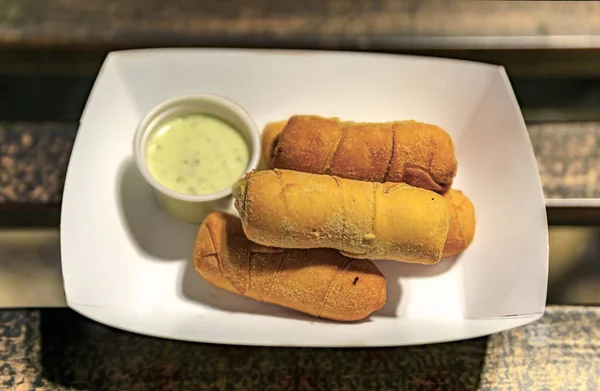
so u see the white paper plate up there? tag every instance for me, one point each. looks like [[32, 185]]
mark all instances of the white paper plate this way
[[126, 263]]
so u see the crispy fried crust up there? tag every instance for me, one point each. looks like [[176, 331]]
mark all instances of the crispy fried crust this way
[[319, 282], [292, 209], [412, 152], [269, 139], [462, 223]]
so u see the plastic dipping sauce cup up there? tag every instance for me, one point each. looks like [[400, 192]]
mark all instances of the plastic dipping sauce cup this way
[[192, 148]]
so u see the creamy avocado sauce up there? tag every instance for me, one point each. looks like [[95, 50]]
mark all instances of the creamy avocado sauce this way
[[197, 154]]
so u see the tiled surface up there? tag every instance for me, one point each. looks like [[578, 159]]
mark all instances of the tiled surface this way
[[34, 159], [60, 350]]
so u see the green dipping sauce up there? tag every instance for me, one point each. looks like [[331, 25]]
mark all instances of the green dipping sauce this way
[[197, 154]]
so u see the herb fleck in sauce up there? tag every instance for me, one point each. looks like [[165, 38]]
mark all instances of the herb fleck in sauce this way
[[197, 154]]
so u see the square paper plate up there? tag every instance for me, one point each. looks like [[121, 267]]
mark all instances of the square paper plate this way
[[126, 263]]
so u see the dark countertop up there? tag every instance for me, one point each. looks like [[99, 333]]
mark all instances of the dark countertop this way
[[60, 350]]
